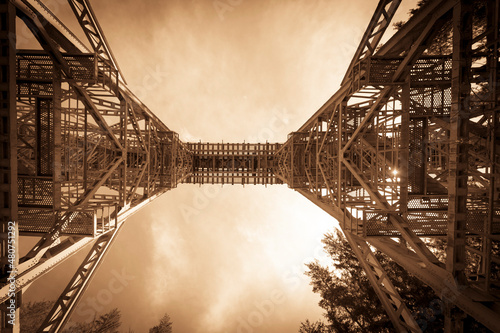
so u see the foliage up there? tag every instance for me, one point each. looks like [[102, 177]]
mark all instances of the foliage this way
[[32, 314], [350, 302], [165, 325], [442, 40], [413, 11], [317, 327], [107, 323]]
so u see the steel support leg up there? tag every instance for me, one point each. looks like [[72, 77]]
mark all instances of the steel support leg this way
[[8, 156], [66, 303], [458, 161], [393, 304]]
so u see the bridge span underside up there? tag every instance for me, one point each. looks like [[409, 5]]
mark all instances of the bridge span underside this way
[[233, 163], [406, 151]]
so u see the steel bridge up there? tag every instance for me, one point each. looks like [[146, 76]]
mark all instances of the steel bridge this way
[[405, 151]]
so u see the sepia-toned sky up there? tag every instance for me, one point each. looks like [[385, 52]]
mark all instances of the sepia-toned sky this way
[[220, 259]]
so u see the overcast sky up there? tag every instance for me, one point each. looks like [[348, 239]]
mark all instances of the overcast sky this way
[[220, 259]]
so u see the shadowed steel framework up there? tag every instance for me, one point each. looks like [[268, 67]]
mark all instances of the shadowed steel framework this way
[[405, 151]]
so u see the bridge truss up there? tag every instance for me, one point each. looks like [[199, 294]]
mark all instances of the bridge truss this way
[[404, 152]]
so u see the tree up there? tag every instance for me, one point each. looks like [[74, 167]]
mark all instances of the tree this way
[[317, 327], [107, 323], [350, 302], [413, 11], [33, 314], [442, 42], [165, 325]]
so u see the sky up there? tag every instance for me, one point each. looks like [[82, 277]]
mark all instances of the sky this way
[[231, 258]]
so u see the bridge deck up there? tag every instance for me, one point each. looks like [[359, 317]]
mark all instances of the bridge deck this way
[[233, 163]]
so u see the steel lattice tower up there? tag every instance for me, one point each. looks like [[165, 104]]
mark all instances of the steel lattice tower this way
[[405, 150]]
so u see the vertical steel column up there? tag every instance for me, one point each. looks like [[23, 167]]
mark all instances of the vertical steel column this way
[[147, 130], [57, 145], [404, 154], [85, 149], [340, 158], [8, 148], [458, 166], [123, 138], [459, 132], [492, 12]]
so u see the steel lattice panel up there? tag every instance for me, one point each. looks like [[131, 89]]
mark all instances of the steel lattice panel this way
[[42, 220], [33, 191], [427, 70], [39, 66], [428, 221], [45, 137], [81, 224], [422, 223], [430, 101], [477, 213], [35, 89], [82, 67], [435, 70], [36, 220], [415, 163], [34, 67], [382, 70], [378, 224], [428, 202]]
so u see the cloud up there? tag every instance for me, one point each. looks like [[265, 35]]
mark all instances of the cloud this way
[[241, 247]]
